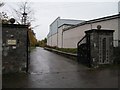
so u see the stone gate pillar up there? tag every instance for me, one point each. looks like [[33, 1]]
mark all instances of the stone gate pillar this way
[[14, 48], [100, 46]]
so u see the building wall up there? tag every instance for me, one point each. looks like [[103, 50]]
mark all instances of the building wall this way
[[112, 25], [54, 40], [60, 37], [55, 26], [69, 38], [72, 36], [58, 22], [109, 24]]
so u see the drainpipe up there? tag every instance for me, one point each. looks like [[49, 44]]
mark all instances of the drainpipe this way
[[62, 38], [57, 33], [119, 26], [91, 25], [51, 36]]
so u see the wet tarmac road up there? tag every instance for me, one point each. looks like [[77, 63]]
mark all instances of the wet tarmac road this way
[[49, 70]]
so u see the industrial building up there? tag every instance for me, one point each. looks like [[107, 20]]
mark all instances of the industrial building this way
[[53, 38], [67, 33]]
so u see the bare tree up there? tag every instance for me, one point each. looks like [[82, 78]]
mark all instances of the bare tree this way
[[3, 15], [24, 13], [1, 4]]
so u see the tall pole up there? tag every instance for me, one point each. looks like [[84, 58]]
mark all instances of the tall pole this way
[[57, 33], [24, 17], [119, 23]]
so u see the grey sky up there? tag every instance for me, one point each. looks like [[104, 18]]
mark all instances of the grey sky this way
[[47, 12]]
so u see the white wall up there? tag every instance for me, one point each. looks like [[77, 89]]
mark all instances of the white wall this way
[[58, 22], [60, 37], [109, 24], [72, 36], [54, 40]]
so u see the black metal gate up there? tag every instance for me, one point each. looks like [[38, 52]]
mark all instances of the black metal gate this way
[[83, 51]]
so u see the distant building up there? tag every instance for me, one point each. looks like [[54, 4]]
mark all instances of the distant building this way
[[52, 37], [67, 35]]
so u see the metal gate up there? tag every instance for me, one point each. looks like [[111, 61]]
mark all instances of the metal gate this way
[[83, 51]]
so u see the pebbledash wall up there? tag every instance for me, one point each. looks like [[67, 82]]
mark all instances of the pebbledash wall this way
[[69, 35]]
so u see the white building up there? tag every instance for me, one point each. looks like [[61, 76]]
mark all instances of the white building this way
[[52, 37], [67, 33]]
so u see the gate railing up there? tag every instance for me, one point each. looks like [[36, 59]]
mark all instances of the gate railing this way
[[79, 51], [83, 40], [83, 54]]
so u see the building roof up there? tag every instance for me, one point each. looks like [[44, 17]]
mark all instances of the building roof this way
[[66, 25], [94, 21], [60, 22]]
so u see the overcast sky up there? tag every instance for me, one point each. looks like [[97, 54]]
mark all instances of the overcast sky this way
[[45, 12]]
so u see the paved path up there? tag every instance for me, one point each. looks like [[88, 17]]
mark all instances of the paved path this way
[[49, 70]]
